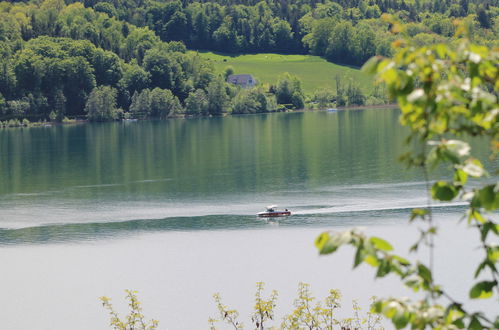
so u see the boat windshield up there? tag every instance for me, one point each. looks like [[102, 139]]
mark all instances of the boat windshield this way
[[271, 208]]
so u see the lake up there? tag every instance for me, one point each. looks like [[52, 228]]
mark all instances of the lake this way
[[168, 208]]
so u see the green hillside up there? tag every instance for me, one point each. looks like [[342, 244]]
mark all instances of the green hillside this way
[[314, 71]]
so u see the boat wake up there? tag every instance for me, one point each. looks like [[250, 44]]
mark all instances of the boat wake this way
[[351, 208], [88, 217], [82, 232]]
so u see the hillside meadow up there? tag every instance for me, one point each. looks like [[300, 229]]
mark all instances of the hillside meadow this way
[[314, 71]]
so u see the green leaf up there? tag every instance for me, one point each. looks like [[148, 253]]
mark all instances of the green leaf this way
[[475, 324], [481, 267], [401, 260], [400, 320], [414, 247], [487, 226], [489, 197], [455, 316], [433, 157], [441, 50], [384, 268], [359, 256], [424, 272], [493, 254], [459, 323], [418, 213], [496, 323], [460, 176], [321, 240], [482, 290], [414, 284], [389, 75], [324, 244], [381, 244], [449, 155], [371, 260], [371, 66], [443, 191], [478, 217], [377, 307]]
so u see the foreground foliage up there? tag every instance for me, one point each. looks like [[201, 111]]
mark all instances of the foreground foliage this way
[[135, 320], [446, 94], [307, 313]]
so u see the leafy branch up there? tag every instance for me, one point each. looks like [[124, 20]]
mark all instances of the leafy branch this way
[[135, 320], [445, 94], [307, 313]]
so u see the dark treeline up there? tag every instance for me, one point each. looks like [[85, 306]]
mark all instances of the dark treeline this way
[[116, 59], [343, 31]]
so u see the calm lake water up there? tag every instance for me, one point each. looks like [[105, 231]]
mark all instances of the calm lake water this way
[[168, 208]]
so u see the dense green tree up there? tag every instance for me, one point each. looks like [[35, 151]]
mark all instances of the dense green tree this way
[[164, 69], [289, 91], [283, 36], [250, 101], [7, 79], [354, 94], [323, 97], [10, 30], [135, 78], [318, 38], [439, 24], [3, 105], [218, 97], [137, 43], [197, 103], [101, 104], [107, 67], [200, 72], [298, 100], [229, 70], [225, 36], [78, 82], [141, 104], [163, 103], [18, 108], [59, 105], [339, 43], [484, 17], [107, 8]]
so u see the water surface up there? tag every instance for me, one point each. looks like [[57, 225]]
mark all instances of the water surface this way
[[168, 207]]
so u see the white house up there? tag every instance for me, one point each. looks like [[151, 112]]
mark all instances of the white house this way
[[242, 80]]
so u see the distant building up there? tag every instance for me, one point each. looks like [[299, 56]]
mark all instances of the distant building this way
[[242, 80]]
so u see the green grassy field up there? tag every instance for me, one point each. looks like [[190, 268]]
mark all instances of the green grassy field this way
[[314, 71]]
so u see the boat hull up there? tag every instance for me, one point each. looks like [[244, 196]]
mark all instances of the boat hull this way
[[274, 214]]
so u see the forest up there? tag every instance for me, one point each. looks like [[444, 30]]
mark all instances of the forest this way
[[106, 60]]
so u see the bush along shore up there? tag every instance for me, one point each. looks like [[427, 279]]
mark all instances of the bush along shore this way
[[219, 99]]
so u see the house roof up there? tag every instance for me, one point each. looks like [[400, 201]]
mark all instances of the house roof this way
[[240, 79]]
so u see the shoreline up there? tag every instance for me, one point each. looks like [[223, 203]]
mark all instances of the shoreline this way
[[359, 107], [85, 121]]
